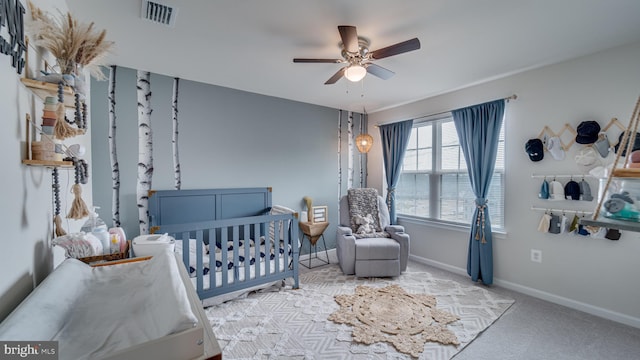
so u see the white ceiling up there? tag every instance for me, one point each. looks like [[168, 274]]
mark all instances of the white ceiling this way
[[249, 44]]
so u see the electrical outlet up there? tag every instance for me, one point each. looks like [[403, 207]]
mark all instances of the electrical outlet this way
[[536, 255]]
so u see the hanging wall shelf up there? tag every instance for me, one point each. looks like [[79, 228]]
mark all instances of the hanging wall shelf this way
[[43, 89], [49, 163]]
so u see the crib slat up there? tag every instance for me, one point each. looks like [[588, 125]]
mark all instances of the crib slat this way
[[212, 259], [267, 247], [276, 246], [236, 253], [285, 244], [247, 252], [185, 251], [224, 244], [199, 257]]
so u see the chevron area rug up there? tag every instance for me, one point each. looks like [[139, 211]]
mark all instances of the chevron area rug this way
[[294, 324]]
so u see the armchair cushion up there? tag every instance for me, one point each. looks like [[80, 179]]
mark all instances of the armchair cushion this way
[[364, 213], [363, 202]]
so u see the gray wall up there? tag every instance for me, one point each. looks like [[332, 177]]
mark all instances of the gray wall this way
[[228, 138], [26, 205], [595, 275]]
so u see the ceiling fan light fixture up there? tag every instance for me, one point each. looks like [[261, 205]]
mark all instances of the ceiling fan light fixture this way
[[355, 72]]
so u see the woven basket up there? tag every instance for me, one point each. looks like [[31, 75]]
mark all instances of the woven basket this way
[[108, 257]]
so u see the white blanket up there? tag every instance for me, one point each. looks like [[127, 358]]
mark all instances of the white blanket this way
[[92, 312]]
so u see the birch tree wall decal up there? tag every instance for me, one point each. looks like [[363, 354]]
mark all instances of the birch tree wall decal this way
[[339, 154], [174, 139], [350, 151], [361, 155], [145, 149], [339, 160], [115, 169]]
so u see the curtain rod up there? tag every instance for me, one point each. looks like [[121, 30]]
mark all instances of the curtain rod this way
[[507, 99]]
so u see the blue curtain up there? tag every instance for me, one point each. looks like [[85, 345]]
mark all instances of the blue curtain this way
[[478, 130], [394, 144]]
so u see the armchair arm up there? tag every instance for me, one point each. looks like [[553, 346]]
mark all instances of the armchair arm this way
[[397, 233], [345, 231], [394, 229], [346, 249]]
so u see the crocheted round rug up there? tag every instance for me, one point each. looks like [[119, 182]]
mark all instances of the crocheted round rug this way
[[392, 315]]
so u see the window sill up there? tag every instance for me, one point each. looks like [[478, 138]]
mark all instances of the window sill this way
[[446, 225]]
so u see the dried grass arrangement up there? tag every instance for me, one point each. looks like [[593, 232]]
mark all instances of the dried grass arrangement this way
[[72, 43]]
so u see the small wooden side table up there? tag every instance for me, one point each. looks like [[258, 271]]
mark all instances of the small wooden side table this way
[[314, 231]]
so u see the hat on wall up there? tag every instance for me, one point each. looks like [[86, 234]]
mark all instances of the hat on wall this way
[[544, 190], [585, 191], [555, 148], [636, 143], [587, 132], [572, 190], [613, 234], [602, 145], [635, 156], [574, 223], [554, 224], [586, 158], [556, 191], [534, 149], [545, 222]]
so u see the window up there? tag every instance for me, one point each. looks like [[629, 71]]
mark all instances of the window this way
[[434, 183]]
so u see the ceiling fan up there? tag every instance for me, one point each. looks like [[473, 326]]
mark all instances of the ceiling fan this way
[[358, 58]]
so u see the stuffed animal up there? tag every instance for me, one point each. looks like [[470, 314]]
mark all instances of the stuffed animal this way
[[365, 222]]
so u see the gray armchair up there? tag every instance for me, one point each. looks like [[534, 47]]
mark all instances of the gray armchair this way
[[371, 257]]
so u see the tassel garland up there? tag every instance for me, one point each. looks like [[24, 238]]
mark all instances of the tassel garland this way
[[57, 220], [62, 130], [78, 209]]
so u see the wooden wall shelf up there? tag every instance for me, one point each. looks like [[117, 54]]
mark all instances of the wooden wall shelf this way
[[43, 89], [48, 163], [626, 173]]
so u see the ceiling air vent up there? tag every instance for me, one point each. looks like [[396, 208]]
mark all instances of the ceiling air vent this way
[[159, 13]]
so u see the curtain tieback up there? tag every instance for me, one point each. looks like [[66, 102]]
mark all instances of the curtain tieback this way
[[390, 192], [481, 205]]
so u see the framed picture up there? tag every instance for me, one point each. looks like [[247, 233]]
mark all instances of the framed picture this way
[[320, 214]]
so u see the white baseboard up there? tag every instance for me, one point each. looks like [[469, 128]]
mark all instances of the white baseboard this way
[[560, 300]]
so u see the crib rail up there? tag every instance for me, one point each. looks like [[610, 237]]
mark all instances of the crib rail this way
[[251, 251]]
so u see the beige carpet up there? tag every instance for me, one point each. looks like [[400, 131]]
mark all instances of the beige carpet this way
[[294, 324]]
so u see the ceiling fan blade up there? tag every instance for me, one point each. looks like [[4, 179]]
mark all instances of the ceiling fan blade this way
[[379, 71], [332, 61], [349, 37], [399, 48], [336, 76]]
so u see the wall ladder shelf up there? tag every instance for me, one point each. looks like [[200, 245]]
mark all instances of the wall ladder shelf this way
[[627, 143]]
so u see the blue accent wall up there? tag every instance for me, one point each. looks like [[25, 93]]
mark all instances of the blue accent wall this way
[[227, 138]]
